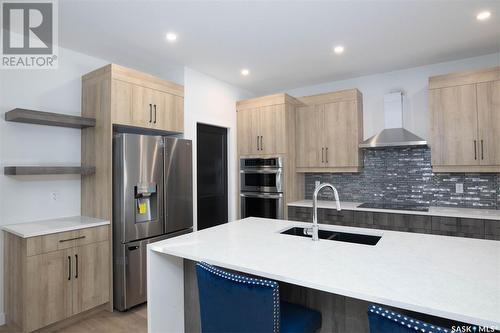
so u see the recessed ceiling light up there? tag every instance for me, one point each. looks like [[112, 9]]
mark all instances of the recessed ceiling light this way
[[338, 49], [245, 72], [482, 16], [171, 37]]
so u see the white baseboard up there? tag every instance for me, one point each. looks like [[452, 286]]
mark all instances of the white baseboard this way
[[2, 318]]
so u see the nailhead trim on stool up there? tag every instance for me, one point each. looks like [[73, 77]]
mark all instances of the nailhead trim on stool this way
[[244, 279]]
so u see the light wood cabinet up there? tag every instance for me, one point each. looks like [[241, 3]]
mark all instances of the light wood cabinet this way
[[329, 130], [262, 125], [48, 289], [91, 283], [122, 111], [272, 123], [488, 107], [135, 105], [454, 127], [171, 114], [50, 278], [141, 100], [309, 139], [465, 121], [248, 137]]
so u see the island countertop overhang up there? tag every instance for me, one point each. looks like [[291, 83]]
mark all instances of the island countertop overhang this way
[[450, 277]]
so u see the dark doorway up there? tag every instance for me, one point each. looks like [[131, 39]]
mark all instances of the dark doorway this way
[[211, 142]]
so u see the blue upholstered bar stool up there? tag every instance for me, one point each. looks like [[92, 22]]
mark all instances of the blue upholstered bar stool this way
[[387, 321], [236, 303]]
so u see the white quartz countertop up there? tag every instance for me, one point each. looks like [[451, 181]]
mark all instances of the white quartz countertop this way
[[451, 277], [45, 227], [484, 214]]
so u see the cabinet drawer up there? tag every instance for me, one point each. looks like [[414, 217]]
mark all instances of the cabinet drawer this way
[[388, 221], [363, 219], [303, 214], [492, 229], [92, 235], [65, 240], [472, 228], [48, 243], [332, 216], [444, 225]]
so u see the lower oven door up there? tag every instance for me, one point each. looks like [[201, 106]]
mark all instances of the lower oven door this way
[[267, 205]]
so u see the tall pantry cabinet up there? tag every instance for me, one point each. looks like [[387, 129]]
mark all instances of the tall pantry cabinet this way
[[119, 97]]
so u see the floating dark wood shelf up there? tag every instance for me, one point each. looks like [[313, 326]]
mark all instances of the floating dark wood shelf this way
[[47, 170], [48, 118]]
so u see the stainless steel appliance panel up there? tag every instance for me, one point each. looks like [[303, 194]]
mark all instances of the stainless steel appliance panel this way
[[178, 184], [266, 205], [261, 175], [265, 180], [137, 187], [130, 286]]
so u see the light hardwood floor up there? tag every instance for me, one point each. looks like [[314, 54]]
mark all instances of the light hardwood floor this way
[[134, 320]]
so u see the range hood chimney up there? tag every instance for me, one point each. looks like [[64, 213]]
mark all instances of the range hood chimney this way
[[393, 134]]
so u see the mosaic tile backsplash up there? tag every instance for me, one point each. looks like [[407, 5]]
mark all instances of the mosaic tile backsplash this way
[[405, 175]]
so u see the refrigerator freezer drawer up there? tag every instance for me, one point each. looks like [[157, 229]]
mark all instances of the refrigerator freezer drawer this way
[[130, 287]]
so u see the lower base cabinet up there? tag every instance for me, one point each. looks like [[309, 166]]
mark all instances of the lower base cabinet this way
[[437, 225], [48, 294], [44, 286]]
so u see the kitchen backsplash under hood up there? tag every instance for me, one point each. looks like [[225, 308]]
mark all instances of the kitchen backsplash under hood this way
[[394, 134]]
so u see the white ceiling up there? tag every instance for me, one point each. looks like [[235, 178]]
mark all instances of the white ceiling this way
[[285, 44]]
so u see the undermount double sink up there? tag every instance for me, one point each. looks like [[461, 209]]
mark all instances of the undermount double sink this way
[[335, 236]]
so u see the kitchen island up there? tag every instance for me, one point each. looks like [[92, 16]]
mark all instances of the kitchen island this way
[[449, 277]]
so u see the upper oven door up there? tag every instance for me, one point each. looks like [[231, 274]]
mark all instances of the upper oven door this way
[[261, 180]]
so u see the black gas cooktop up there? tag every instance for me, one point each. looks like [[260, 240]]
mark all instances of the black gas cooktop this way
[[395, 206]]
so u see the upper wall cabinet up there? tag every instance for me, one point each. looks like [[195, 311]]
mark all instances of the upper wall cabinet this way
[[142, 100], [329, 129], [465, 121], [264, 125]]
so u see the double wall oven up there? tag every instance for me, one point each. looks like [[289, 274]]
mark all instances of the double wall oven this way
[[261, 187]]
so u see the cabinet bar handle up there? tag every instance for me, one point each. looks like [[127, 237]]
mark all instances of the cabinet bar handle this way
[[76, 264], [154, 122], [322, 155], [258, 142], [475, 149], [261, 143], [150, 113], [482, 150], [70, 239], [69, 267], [326, 154]]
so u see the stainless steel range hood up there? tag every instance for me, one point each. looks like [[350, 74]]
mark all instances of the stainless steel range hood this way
[[394, 134], [393, 137]]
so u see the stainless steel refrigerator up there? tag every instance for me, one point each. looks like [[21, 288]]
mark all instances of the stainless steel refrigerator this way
[[152, 201]]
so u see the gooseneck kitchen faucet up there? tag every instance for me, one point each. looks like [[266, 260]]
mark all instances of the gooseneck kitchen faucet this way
[[315, 229]]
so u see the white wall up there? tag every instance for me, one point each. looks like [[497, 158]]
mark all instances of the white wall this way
[[212, 102], [412, 81]]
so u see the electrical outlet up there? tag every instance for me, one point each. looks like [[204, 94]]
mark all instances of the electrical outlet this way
[[54, 195], [316, 183], [459, 188]]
